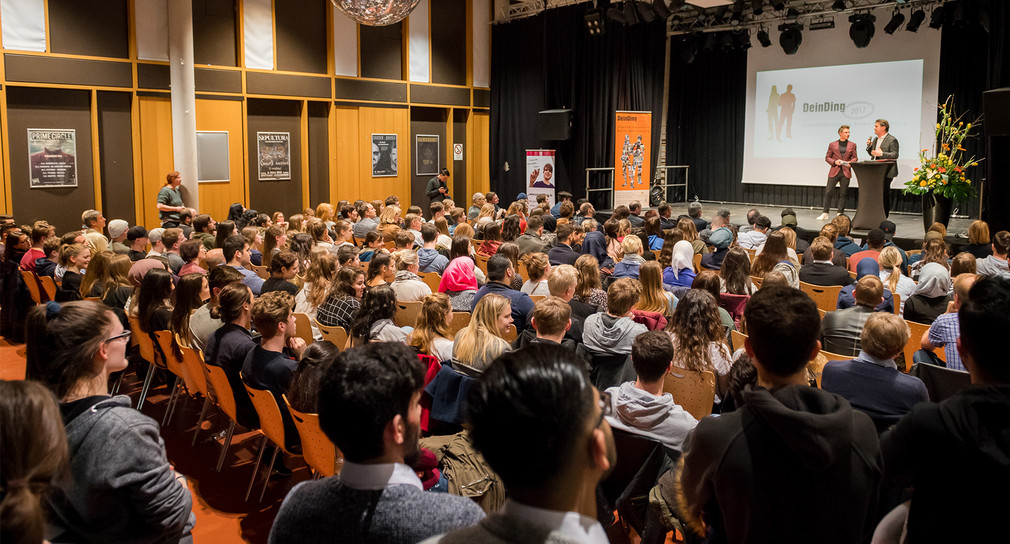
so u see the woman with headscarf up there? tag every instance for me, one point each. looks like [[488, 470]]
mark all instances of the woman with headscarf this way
[[595, 244], [235, 212], [681, 269], [847, 296], [459, 283], [930, 297]]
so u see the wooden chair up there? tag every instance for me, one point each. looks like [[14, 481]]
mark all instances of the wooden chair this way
[[33, 286], [192, 360], [511, 334], [303, 327], [481, 261], [537, 298], [752, 253], [272, 427], [320, 454], [225, 399], [757, 281], [817, 365], [656, 252], [390, 244], [48, 286], [697, 262], [261, 271], [738, 339], [523, 272], [694, 391], [826, 296], [93, 299], [166, 342], [406, 313], [852, 273], [799, 257], [147, 352], [914, 343], [897, 303], [459, 321], [337, 335], [432, 280]]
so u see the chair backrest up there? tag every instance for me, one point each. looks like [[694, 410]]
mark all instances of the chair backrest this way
[[940, 382], [431, 279], [337, 335], [481, 261], [407, 312], [734, 304], [751, 253], [93, 299], [511, 334], [144, 341], [537, 298], [174, 365], [692, 390], [303, 327], [523, 272], [49, 286], [897, 303], [223, 394], [319, 451], [271, 421], [852, 273], [261, 271], [915, 343], [390, 244], [633, 451], [826, 296], [656, 252], [33, 286], [459, 322], [757, 281], [697, 261], [193, 362], [737, 338]]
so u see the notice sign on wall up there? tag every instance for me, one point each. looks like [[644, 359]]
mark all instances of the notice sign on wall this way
[[274, 151], [52, 157], [633, 144], [427, 154], [384, 155]]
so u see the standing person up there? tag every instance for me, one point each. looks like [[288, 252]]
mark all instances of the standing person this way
[[884, 146], [840, 153], [787, 103], [170, 201], [437, 190]]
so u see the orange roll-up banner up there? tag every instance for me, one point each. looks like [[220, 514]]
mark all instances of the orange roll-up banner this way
[[632, 147]]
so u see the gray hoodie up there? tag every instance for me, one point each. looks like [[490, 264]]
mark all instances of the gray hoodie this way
[[123, 489], [609, 335], [656, 418], [430, 260]]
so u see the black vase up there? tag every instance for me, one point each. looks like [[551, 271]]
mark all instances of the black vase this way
[[935, 209]]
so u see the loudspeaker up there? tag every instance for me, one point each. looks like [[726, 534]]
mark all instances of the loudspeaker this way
[[996, 112], [554, 124]]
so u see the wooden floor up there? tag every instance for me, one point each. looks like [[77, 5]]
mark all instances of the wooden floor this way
[[222, 516]]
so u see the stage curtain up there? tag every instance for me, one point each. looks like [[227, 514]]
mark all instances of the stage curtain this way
[[549, 61]]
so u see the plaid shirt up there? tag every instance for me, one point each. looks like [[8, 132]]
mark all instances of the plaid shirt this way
[[338, 311], [944, 333]]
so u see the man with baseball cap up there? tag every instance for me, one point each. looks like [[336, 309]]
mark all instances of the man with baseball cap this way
[[137, 235]]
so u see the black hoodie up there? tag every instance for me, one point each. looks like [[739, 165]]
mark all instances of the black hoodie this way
[[796, 464]]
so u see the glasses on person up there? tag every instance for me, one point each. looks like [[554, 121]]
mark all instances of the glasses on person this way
[[125, 334], [606, 407]]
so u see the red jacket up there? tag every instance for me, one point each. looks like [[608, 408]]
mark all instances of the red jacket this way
[[833, 155]]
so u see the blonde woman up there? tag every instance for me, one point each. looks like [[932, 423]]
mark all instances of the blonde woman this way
[[389, 223], [477, 346], [539, 268], [588, 289], [431, 332], [407, 285], [318, 281], [979, 243], [486, 215], [96, 242], [890, 273], [444, 240], [325, 212], [690, 231], [654, 298]]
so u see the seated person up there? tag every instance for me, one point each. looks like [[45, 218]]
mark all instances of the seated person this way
[[369, 406], [846, 297], [871, 382], [820, 270], [841, 329], [428, 257], [721, 238], [613, 332], [283, 268], [500, 274], [931, 295], [228, 346], [628, 267], [549, 324], [944, 331], [641, 407]]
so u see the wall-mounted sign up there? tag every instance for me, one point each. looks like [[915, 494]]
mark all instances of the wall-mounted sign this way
[[457, 152], [274, 152], [383, 155], [52, 158], [427, 154]]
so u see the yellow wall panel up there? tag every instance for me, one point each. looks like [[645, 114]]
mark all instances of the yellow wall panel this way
[[345, 166], [353, 157], [155, 158], [478, 179], [223, 115]]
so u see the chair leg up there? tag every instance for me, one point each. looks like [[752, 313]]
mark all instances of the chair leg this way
[[119, 383], [172, 399], [270, 470], [227, 443], [203, 412], [256, 469], [147, 385]]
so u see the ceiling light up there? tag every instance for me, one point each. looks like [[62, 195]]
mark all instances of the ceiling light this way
[[758, 7], [663, 12], [594, 22], [862, 29], [375, 13], [839, 5], [763, 38], [778, 5], [741, 39], [688, 49], [895, 23], [616, 15], [791, 37], [630, 13], [645, 11], [936, 20], [915, 20]]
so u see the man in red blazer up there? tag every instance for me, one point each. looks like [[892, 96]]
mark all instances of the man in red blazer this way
[[840, 153]]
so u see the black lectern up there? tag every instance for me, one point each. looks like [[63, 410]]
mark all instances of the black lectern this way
[[870, 207]]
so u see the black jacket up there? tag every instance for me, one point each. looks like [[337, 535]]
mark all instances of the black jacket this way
[[562, 254], [825, 274]]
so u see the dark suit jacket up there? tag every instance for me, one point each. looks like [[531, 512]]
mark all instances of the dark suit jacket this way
[[834, 154], [840, 330], [889, 147], [883, 393], [825, 274], [562, 254]]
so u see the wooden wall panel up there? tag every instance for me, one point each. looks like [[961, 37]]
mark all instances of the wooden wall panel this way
[[224, 115], [385, 121], [345, 168], [155, 157], [479, 172]]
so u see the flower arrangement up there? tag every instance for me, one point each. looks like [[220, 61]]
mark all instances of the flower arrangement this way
[[943, 173]]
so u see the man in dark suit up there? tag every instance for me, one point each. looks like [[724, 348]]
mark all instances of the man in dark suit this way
[[821, 271], [839, 154], [563, 253], [884, 146], [841, 330]]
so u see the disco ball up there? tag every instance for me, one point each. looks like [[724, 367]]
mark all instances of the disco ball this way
[[375, 12]]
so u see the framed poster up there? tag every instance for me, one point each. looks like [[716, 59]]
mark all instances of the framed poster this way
[[212, 161], [383, 155], [540, 171], [52, 157], [274, 152], [427, 154]]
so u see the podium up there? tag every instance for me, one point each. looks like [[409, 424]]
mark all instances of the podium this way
[[870, 205]]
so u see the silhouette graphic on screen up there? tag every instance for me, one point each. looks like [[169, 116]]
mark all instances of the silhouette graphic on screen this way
[[773, 112], [787, 101]]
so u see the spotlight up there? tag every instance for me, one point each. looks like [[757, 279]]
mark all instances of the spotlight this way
[[594, 22], [688, 49], [709, 42], [839, 5], [936, 20], [645, 11], [915, 20], [741, 39], [616, 15], [763, 38], [792, 13], [791, 37], [862, 29], [778, 5], [896, 21], [630, 13], [661, 10], [758, 7], [726, 41]]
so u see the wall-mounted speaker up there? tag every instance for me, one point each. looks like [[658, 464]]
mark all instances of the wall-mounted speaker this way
[[996, 112], [554, 124]]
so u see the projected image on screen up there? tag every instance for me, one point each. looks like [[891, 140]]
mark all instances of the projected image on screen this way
[[803, 107]]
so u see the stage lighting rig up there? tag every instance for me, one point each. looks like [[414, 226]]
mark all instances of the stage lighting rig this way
[[663, 12], [595, 23], [862, 28], [644, 11], [896, 21], [763, 38], [778, 5], [791, 37], [916, 19], [630, 13], [758, 7], [936, 19], [839, 5], [741, 39]]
